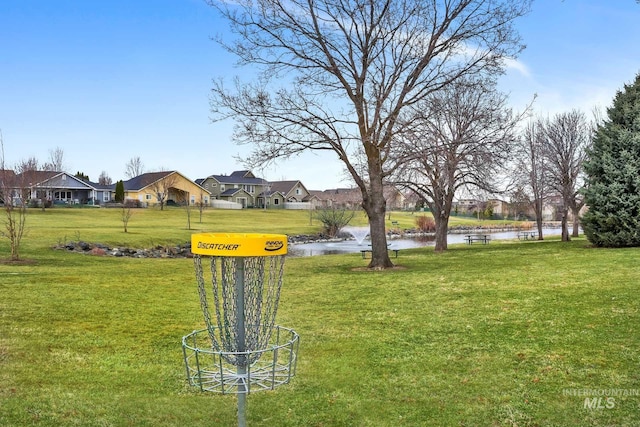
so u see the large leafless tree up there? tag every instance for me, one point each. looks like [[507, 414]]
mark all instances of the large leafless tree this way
[[532, 168], [461, 136], [338, 74], [567, 137]]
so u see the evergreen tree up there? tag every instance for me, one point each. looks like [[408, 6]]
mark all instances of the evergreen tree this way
[[120, 191], [82, 176], [613, 174]]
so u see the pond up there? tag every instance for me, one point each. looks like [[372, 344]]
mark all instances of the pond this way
[[352, 246]]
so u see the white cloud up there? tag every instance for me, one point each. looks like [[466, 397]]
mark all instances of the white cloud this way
[[514, 64]]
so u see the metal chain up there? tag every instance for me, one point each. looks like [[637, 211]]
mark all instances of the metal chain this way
[[261, 296]]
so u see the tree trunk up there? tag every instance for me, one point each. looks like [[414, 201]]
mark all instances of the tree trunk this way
[[539, 227], [538, 210], [565, 226], [442, 228], [576, 222], [375, 205]]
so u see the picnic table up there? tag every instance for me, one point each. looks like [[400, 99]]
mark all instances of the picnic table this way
[[526, 235], [484, 238]]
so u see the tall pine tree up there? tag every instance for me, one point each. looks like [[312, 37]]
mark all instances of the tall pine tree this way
[[613, 174]]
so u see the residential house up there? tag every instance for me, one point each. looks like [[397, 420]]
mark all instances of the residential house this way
[[343, 198], [320, 199], [274, 199], [241, 187], [295, 194], [294, 191], [61, 188], [351, 198], [154, 188], [499, 208], [8, 187]]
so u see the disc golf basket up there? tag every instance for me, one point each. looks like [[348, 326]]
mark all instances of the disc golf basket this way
[[241, 349]]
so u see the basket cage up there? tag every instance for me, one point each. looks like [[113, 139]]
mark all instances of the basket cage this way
[[240, 349]]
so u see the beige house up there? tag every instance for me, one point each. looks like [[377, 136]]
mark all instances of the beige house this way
[[167, 187]]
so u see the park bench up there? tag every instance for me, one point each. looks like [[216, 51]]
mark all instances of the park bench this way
[[364, 252], [484, 238]]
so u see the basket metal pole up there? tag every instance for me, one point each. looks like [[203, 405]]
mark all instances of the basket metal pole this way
[[241, 344]]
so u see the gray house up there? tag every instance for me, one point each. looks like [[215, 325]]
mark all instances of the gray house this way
[[63, 188], [240, 187]]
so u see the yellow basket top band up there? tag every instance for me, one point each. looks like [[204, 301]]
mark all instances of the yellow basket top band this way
[[238, 244]]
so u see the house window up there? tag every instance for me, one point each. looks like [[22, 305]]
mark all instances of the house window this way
[[298, 191], [221, 187], [105, 197], [62, 195], [148, 196], [276, 201], [193, 200]]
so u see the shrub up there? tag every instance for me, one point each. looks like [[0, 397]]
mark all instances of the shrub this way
[[132, 203], [333, 219], [426, 224]]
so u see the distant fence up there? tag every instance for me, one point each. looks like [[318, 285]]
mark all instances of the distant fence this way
[[225, 204], [298, 205]]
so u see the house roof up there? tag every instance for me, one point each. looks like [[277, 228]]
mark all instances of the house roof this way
[[37, 177], [238, 177], [283, 186], [7, 177], [146, 179], [54, 179], [270, 193], [232, 192]]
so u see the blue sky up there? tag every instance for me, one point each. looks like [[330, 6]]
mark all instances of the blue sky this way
[[106, 81]]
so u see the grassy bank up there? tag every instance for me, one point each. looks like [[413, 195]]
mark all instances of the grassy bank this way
[[508, 334]]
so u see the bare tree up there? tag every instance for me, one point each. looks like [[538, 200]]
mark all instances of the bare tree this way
[[27, 169], [14, 206], [184, 200], [532, 168], [56, 161], [104, 179], [460, 136], [134, 167], [338, 75], [29, 164], [520, 202], [126, 215], [567, 137], [202, 205], [162, 186]]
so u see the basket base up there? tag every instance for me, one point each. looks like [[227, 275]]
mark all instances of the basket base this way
[[210, 370]]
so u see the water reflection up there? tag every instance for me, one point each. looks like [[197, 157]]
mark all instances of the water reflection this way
[[351, 246]]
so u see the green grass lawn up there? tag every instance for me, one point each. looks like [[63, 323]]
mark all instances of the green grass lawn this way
[[507, 334]]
